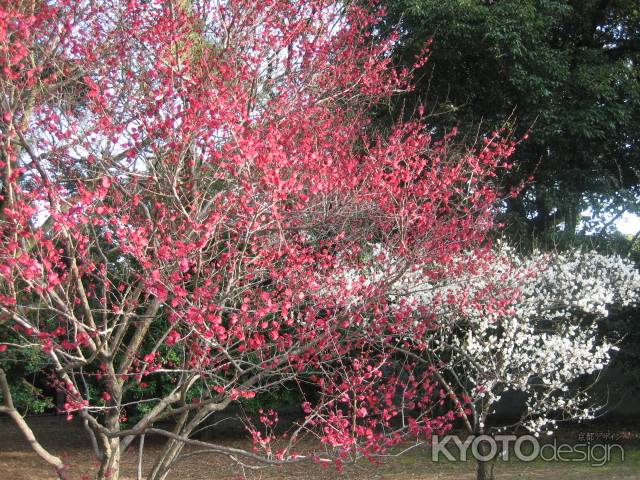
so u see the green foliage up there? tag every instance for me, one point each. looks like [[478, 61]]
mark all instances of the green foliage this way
[[281, 400], [25, 372], [565, 70]]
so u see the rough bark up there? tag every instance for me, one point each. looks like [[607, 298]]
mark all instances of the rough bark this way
[[485, 468]]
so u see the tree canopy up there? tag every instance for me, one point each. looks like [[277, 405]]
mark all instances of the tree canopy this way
[[565, 71]]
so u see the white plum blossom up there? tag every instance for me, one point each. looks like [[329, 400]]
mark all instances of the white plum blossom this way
[[527, 325], [544, 341]]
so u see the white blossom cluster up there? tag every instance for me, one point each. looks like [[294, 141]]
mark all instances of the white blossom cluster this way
[[546, 340], [523, 324]]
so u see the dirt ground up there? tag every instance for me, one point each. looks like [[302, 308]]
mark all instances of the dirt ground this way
[[18, 462]]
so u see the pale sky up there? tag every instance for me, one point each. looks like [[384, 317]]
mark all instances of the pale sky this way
[[628, 224]]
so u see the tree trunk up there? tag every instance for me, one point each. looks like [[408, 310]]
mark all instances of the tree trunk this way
[[486, 470], [110, 463]]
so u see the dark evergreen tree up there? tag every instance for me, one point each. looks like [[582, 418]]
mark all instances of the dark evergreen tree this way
[[566, 71]]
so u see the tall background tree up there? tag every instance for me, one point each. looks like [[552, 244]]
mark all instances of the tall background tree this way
[[564, 71]]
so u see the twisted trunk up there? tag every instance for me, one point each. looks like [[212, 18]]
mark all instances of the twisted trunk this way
[[486, 470], [110, 462]]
